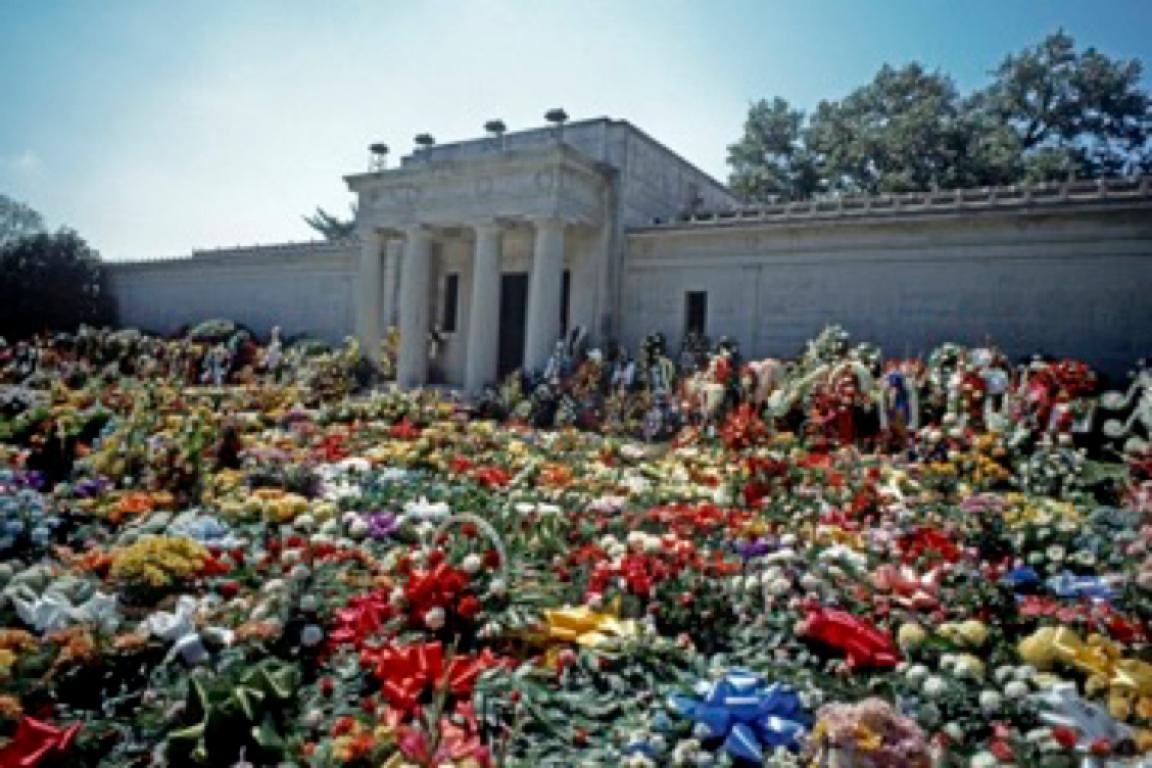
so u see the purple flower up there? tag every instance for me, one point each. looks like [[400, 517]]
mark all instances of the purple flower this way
[[381, 525], [757, 548], [90, 488]]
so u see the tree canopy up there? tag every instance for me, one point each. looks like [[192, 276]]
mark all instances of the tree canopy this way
[[48, 281], [17, 220], [1050, 112]]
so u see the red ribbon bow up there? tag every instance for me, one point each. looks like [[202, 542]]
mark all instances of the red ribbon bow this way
[[863, 644], [406, 672], [34, 741]]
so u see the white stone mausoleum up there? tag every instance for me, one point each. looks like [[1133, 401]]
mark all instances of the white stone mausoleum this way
[[498, 246]]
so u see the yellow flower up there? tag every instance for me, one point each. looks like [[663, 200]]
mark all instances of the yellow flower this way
[[867, 740], [972, 632], [911, 635]]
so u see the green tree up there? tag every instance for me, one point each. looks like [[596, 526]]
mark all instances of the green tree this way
[[771, 162], [51, 282], [17, 220], [1049, 112], [330, 226], [903, 131], [1073, 114]]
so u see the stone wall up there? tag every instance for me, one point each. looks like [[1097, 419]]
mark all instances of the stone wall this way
[[1073, 280], [305, 288]]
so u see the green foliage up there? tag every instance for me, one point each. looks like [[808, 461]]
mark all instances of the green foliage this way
[[332, 227], [1050, 113], [51, 282], [17, 220]]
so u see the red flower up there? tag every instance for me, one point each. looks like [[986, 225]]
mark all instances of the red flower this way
[[491, 558], [468, 607], [1002, 750], [404, 430], [492, 477], [1101, 747], [1064, 736]]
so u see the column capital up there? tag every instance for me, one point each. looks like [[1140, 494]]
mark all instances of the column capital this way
[[487, 225], [417, 231], [371, 234], [549, 221]]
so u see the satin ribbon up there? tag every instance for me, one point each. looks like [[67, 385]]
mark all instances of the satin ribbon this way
[[36, 741], [1061, 707], [406, 672], [236, 710], [1098, 657], [1068, 584], [1021, 577], [746, 714], [583, 626], [863, 644], [54, 611], [179, 628]]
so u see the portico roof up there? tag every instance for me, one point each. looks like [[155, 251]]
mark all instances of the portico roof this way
[[554, 180]]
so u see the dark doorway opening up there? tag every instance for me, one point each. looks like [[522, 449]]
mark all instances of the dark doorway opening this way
[[513, 315]]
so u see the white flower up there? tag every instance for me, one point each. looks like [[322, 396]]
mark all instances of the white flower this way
[[954, 731], [685, 752], [1003, 673], [434, 618], [780, 587], [422, 509], [1055, 553], [990, 701], [916, 673], [1024, 672], [810, 582], [472, 563], [934, 687], [984, 760], [359, 528], [1016, 689]]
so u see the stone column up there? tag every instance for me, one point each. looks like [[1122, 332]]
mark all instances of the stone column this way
[[484, 314], [544, 287], [368, 299], [415, 273], [394, 253]]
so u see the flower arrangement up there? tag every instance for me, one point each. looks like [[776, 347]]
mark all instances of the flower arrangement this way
[[156, 566]]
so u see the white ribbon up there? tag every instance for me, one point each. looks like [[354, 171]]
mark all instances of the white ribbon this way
[[53, 611], [179, 628]]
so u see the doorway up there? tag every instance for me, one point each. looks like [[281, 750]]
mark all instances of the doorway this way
[[513, 316]]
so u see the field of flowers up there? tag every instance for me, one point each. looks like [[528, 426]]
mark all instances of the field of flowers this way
[[276, 567]]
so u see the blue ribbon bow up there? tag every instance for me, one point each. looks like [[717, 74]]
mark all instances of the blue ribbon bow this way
[[746, 713]]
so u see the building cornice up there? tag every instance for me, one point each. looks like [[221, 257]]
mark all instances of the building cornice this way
[[1025, 200]]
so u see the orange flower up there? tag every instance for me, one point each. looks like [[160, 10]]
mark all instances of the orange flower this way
[[130, 504], [555, 476], [10, 707]]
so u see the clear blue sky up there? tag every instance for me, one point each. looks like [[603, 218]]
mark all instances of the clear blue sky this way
[[157, 127]]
